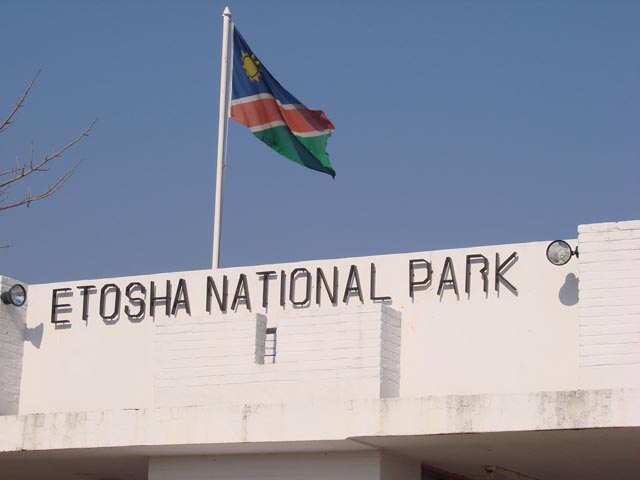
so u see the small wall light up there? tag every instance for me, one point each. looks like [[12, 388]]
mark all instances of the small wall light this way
[[559, 252], [15, 296]]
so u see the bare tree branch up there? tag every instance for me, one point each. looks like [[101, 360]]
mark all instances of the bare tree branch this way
[[24, 170], [5, 124], [53, 188]]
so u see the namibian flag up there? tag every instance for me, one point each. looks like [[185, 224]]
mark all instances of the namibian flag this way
[[275, 116]]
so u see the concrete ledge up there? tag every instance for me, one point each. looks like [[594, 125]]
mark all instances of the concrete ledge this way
[[325, 421]]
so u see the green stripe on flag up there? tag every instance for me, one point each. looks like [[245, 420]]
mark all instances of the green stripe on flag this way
[[307, 151]]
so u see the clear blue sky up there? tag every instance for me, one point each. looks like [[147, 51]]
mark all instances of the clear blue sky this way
[[458, 123]]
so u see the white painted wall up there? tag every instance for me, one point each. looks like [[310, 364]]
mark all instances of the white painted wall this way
[[391, 353], [327, 466], [469, 343], [609, 314], [494, 343], [89, 366]]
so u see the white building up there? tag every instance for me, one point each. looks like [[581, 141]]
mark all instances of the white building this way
[[408, 366]]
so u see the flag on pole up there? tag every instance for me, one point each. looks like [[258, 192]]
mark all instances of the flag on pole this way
[[275, 116]]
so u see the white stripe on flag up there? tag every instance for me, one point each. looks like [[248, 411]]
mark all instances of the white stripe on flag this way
[[266, 96], [280, 123], [266, 126]]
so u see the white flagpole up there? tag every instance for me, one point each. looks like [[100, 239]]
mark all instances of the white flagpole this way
[[222, 127]]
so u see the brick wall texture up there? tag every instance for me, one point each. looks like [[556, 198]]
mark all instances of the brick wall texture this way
[[351, 353], [12, 325], [609, 294]]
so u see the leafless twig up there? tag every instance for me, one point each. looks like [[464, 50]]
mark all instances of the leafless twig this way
[[23, 170], [6, 122]]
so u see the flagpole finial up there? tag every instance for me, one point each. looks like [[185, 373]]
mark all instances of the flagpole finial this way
[[227, 12]]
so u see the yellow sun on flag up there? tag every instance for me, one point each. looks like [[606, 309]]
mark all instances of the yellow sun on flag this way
[[250, 65]]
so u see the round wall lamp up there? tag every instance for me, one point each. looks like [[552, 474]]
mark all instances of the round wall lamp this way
[[559, 252], [15, 296]]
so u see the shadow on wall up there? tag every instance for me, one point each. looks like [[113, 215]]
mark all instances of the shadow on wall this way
[[15, 315], [568, 293], [34, 335]]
